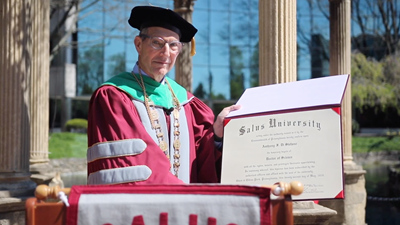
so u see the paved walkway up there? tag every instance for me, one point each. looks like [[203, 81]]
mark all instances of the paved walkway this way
[[69, 165]]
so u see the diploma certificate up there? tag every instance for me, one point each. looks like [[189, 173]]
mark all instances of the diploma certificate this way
[[300, 146]]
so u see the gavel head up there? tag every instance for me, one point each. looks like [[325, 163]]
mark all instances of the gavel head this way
[[294, 188], [43, 191]]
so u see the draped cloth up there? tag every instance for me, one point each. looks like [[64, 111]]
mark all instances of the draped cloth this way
[[169, 204]]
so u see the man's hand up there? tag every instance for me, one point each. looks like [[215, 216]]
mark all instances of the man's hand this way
[[219, 122]]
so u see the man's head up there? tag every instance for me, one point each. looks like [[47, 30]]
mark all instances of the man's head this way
[[162, 32]]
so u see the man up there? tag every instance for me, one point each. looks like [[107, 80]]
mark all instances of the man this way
[[144, 127]]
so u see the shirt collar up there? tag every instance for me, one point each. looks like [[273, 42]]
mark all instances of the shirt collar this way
[[136, 71]]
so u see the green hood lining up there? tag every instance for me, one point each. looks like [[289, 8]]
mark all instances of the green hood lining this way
[[158, 93]]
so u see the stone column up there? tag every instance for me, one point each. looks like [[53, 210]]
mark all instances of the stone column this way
[[23, 100], [340, 63], [277, 46], [39, 84], [183, 65], [352, 209], [278, 64], [39, 93]]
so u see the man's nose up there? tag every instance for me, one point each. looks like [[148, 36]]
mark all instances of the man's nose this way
[[166, 50]]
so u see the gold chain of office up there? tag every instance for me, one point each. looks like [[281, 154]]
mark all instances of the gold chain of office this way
[[155, 123]]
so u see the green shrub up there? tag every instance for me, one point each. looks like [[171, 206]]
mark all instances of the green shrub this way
[[76, 125], [355, 127]]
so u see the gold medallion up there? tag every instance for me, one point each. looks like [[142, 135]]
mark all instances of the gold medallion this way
[[177, 144], [163, 146], [154, 114], [176, 114]]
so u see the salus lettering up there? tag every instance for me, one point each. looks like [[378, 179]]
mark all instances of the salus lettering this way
[[250, 129], [294, 123], [138, 220]]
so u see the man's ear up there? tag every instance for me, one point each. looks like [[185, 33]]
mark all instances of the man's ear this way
[[138, 44]]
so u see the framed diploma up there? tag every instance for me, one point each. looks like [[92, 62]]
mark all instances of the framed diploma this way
[[297, 139]]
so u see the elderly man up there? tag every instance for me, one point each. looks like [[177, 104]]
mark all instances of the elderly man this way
[[144, 127]]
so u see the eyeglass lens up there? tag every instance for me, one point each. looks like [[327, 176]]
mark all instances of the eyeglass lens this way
[[159, 43]]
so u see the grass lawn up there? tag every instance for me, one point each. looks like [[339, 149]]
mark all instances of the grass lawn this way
[[375, 144], [67, 145], [74, 145]]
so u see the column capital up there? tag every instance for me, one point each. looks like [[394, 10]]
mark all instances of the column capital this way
[[183, 6]]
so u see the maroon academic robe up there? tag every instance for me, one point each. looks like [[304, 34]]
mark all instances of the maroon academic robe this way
[[113, 117]]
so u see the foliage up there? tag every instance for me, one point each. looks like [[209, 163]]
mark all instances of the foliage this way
[[218, 97], [90, 70], [254, 67], [375, 144], [77, 123], [80, 108], [236, 74], [67, 145], [392, 72], [199, 92], [370, 87], [117, 64], [355, 127], [217, 108]]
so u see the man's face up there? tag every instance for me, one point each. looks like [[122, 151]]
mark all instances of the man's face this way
[[156, 62]]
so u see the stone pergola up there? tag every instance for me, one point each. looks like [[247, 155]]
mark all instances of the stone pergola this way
[[278, 64], [24, 100]]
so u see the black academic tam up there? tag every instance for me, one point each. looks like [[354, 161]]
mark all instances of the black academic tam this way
[[152, 16]]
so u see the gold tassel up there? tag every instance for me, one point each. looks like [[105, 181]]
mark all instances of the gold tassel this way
[[193, 47]]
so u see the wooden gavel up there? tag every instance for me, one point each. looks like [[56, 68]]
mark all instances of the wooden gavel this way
[[43, 191], [282, 188]]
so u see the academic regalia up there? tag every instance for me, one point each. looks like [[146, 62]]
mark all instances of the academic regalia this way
[[123, 148]]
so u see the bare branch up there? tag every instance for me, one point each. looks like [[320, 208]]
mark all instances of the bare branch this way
[[323, 8]]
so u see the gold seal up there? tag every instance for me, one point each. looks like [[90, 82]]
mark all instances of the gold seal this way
[[163, 146]]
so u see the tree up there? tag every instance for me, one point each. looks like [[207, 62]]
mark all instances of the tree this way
[[90, 70], [92, 17], [391, 70], [377, 23], [117, 64], [312, 40], [236, 74], [254, 67], [370, 87], [375, 27], [63, 18], [199, 92]]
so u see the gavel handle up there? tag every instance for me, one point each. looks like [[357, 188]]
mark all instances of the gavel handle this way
[[43, 191], [282, 188]]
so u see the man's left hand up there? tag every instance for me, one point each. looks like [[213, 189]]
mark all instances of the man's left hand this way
[[219, 122]]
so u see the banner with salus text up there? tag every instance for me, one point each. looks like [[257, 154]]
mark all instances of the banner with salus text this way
[[169, 204]]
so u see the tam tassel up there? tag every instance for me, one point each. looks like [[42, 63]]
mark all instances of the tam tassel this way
[[193, 47]]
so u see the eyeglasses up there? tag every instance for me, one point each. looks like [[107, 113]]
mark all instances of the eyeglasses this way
[[159, 43]]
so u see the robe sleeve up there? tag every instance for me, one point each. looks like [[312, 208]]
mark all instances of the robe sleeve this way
[[112, 118], [208, 158]]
